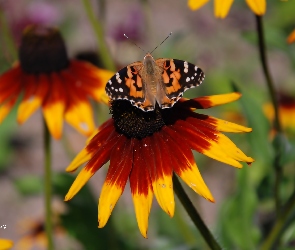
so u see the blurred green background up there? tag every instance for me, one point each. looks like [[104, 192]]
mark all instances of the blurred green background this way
[[227, 51]]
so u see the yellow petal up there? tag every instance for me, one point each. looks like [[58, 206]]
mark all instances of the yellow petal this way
[[225, 126], [291, 37], [192, 177], [53, 115], [107, 201], [82, 157], [162, 178], [257, 6], [80, 116], [80, 181], [163, 190], [6, 107], [215, 100], [232, 150], [5, 244], [27, 108], [222, 7], [196, 4], [54, 106], [33, 98], [142, 206]]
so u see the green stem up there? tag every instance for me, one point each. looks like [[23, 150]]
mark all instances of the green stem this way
[[194, 215], [6, 35], [279, 224], [47, 183], [272, 93], [98, 29]]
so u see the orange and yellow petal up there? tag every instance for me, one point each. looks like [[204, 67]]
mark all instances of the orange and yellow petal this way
[[5, 244], [196, 4], [208, 145], [185, 167], [291, 37], [35, 92], [222, 125], [158, 159], [54, 106], [79, 115], [116, 179], [206, 102], [91, 79], [257, 6], [222, 7], [95, 163], [141, 187]]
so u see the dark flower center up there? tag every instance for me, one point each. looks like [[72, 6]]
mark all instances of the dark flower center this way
[[135, 123], [42, 50]]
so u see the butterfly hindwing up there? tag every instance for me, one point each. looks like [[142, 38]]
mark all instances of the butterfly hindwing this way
[[179, 76], [126, 84]]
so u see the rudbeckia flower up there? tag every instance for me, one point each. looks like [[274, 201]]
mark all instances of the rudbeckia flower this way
[[44, 76], [147, 147], [5, 244], [291, 37], [286, 111], [222, 7]]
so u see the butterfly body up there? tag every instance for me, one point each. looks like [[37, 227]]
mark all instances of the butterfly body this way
[[161, 81]]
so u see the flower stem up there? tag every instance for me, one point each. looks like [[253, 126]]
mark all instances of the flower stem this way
[[194, 215], [98, 29], [47, 182], [272, 93], [7, 36], [279, 224]]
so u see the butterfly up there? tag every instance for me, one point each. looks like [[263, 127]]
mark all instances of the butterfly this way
[[147, 83]]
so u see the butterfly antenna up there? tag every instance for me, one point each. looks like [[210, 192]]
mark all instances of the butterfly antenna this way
[[134, 43], [162, 42]]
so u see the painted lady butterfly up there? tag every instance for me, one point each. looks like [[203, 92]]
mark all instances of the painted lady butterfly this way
[[161, 81]]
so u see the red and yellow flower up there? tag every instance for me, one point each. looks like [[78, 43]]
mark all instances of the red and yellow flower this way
[[286, 111], [47, 78], [222, 7], [147, 147], [291, 37]]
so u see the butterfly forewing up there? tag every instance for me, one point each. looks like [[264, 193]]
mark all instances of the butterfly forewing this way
[[127, 84], [179, 76]]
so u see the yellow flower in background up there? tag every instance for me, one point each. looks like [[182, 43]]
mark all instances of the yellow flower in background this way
[[44, 76], [286, 111], [5, 244], [147, 147], [291, 37], [222, 7]]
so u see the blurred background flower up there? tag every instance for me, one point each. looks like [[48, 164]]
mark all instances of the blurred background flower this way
[[47, 78], [5, 244], [222, 7]]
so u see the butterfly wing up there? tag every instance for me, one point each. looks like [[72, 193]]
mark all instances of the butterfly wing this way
[[177, 77], [127, 84]]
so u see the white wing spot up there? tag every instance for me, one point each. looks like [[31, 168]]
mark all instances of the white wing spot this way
[[120, 89], [192, 78], [119, 80], [116, 90], [187, 79], [185, 70], [196, 68], [110, 82], [112, 87], [195, 74]]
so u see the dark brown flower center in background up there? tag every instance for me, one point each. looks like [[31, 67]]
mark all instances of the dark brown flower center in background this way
[[135, 123], [42, 50]]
